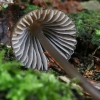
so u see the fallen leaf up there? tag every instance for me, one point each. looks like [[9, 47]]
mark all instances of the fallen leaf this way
[[40, 3], [97, 67], [97, 60], [89, 73]]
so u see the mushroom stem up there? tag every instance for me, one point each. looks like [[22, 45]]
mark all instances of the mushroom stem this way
[[66, 65]]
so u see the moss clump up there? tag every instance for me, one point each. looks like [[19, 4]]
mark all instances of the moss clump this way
[[17, 84], [87, 22], [96, 37]]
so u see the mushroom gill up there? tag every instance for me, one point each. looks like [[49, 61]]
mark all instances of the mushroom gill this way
[[55, 25], [48, 30]]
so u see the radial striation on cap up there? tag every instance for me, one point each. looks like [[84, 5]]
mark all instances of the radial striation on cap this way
[[58, 28]]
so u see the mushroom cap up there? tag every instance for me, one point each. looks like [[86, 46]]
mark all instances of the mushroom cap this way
[[58, 28]]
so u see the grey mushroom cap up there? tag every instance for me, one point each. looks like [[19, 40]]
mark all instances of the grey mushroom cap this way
[[58, 28]]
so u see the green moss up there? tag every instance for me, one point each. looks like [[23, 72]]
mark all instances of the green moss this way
[[29, 8], [96, 37], [30, 85], [87, 22]]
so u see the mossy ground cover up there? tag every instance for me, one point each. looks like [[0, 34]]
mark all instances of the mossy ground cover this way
[[17, 83], [88, 25]]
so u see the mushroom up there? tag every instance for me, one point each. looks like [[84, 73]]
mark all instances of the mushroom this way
[[52, 31], [55, 25]]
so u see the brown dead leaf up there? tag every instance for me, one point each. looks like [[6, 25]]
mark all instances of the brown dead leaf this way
[[0, 3], [58, 5], [97, 62], [97, 67], [72, 6], [40, 3], [54, 64], [67, 6], [76, 60], [23, 6], [51, 59], [89, 73]]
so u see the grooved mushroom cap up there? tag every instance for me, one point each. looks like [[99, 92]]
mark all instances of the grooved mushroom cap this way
[[55, 25]]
